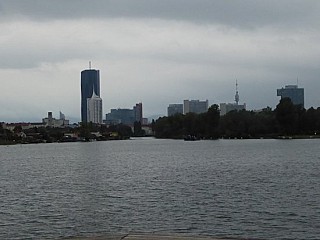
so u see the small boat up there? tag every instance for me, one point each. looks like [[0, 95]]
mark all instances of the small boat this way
[[191, 138]]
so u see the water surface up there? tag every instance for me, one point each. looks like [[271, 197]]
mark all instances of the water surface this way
[[264, 189]]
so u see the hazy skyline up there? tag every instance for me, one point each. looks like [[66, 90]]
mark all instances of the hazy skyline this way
[[155, 52]]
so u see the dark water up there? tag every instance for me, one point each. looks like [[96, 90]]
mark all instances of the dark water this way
[[264, 189]]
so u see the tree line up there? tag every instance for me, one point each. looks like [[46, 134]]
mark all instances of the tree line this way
[[286, 119], [82, 132]]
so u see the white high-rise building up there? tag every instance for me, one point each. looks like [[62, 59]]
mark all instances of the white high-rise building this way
[[94, 109]]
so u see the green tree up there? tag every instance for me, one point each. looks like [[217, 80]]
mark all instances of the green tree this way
[[287, 116], [212, 120]]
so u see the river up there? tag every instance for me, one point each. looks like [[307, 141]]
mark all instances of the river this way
[[261, 189]]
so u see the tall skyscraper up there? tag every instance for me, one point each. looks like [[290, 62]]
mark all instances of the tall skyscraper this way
[[90, 83], [293, 92], [94, 109]]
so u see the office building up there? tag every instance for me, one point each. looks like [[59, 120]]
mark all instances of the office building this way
[[90, 84], [117, 116], [174, 109], [137, 110], [94, 109], [293, 92], [195, 106], [125, 116]]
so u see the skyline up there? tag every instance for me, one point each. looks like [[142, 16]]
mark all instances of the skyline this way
[[155, 52]]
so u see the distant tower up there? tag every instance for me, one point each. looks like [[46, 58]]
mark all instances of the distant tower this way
[[90, 84], [236, 97]]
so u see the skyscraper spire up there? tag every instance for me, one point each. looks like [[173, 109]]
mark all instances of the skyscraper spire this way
[[236, 98]]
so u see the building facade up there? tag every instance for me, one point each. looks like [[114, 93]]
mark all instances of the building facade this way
[[94, 109], [293, 92], [175, 109], [228, 107], [117, 116], [90, 83], [125, 116], [195, 106], [50, 121], [137, 110]]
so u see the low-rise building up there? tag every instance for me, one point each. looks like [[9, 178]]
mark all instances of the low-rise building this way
[[52, 122]]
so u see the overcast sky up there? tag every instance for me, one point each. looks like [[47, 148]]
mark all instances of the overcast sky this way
[[155, 52]]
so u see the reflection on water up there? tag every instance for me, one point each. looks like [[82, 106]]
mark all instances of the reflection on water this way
[[266, 189]]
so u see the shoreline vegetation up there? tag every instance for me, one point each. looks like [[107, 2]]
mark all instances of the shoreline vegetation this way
[[287, 121]]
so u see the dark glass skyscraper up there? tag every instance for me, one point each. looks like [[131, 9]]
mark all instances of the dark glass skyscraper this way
[[293, 92], [90, 81]]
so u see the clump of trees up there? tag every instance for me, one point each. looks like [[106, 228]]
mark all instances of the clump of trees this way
[[286, 120]]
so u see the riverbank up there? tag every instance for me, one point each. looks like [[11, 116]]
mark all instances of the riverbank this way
[[234, 138], [148, 237]]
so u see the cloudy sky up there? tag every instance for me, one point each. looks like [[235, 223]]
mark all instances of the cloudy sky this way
[[155, 52]]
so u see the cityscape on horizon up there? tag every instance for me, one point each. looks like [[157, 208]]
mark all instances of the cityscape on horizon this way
[[146, 56], [92, 110]]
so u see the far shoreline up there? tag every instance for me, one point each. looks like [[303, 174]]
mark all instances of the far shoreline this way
[[281, 137]]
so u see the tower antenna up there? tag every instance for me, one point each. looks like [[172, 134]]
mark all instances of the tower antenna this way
[[236, 98], [90, 65]]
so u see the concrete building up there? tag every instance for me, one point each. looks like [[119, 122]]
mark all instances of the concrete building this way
[[293, 92], [228, 107], [117, 116], [90, 82], [195, 106], [175, 109], [137, 111], [94, 109], [125, 116], [50, 121]]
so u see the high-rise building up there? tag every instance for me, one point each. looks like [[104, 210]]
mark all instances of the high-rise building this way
[[137, 110], [90, 83], [195, 106], [175, 109], [94, 109], [293, 92]]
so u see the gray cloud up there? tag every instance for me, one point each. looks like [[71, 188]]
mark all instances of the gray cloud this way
[[157, 52], [244, 13]]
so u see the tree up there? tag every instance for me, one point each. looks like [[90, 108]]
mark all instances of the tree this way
[[137, 129], [287, 116], [212, 119]]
